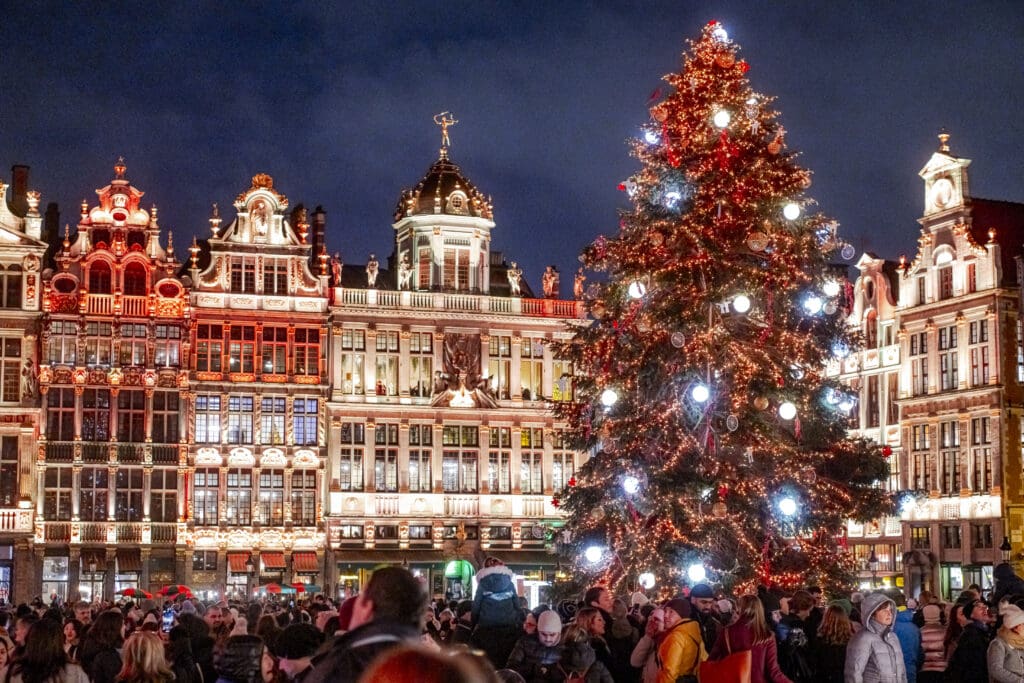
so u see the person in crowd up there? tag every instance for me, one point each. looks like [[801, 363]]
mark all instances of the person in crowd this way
[[496, 615], [411, 663], [83, 612], [1006, 583], [100, 652], [73, 630], [144, 661], [589, 620], [529, 623], [214, 617], [873, 655], [856, 599], [933, 649], [751, 632], [44, 659], [578, 657], [829, 654], [681, 649], [795, 640], [21, 628], [645, 654], [267, 628], [388, 613], [179, 656], [295, 648], [200, 642], [817, 612], [463, 632], [969, 661], [1006, 651], [6, 655], [239, 659], [270, 668], [705, 611], [954, 627], [536, 656], [621, 639], [909, 636]]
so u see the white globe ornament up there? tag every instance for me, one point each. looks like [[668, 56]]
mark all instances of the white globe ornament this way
[[813, 304], [651, 137], [787, 411], [646, 580], [593, 554], [609, 397], [791, 211], [848, 252], [720, 34], [787, 506], [672, 198], [696, 573], [678, 340], [722, 118], [637, 289], [831, 288], [700, 393], [830, 307], [630, 484], [741, 304]]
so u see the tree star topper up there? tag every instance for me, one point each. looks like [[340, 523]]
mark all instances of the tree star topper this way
[[446, 120]]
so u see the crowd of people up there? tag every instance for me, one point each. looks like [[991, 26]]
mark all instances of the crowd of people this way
[[390, 632]]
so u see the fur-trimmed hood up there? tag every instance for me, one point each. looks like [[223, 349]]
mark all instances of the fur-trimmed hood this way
[[491, 571]]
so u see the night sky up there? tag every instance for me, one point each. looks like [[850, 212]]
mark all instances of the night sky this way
[[335, 101]]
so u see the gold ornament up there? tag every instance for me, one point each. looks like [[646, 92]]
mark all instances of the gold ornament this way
[[774, 147], [719, 509], [725, 60], [760, 403], [757, 241], [659, 113], [657, 239], [598, 309]]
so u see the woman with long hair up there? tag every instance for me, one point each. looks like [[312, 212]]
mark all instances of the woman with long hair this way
[[6, 656], [100, 653], [751, 632], [590, 620], [73, 638], [830, 651], [44, 659], [954, 627], [144, 660], [578, 656]]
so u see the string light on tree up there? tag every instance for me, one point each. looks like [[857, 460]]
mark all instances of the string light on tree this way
[[722, 118], [700, 393], [791, 211], [637, 289], [593, 554], [646, 580], [630, 484], [831, 288], [696, 573], [787, 506], [813, 304], [741, 304], [609, 397]]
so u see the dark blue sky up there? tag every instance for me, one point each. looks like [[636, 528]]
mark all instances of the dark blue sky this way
[[335, 101]]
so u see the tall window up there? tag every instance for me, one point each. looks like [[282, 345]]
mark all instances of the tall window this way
[[893, 394], [948, 358], [166, 411], [305, 418], [128, 494], [874, 402], [63, 335], [563, 467], [168, 346], [272, 415], [981, 455], [57, 493], [978, 341], [353, 355], [10, 369], [499, 364], [99, 342], [275, 276], [949, 443], [209, 348], [131, 416], [946, 282], [239, 497], [531, 368], [385, 459], [307, 351], [96, 415], [99, 278], [275, 350], [459, 463], [163, 495], [207, 418], [499, 462], [353, 440], [871, 330], [981, 534], [421, 438], [920, 472], [421, 363], [8, 471], [561, 380], [92, 500], [972, 278], [240, 349], [10, 286], [243, 276], [919, 362], [240, 419], [205, 494], [60, 414], [304, 497], [423, 273], [921, 300], [456, 268], [136, 280], [271, 507], [530, 468], [387, 363]]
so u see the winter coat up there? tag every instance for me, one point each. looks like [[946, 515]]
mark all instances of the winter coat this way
[[645, 657], [496, 602], [795, 649], [933, 646], [1006, 583], [910, 642], [72, 673], [496, 641], [764, 657], [534, 661], [103, 665], [352, 653], [874, 655], [829, 661], [239, 660], [681, 651], [969, 661], [1005, 662]]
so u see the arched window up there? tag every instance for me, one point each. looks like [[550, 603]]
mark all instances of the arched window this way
[[10, 296], [135, 280], [99, 277]]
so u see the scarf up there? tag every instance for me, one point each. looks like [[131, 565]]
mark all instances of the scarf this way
[[1012, 639]]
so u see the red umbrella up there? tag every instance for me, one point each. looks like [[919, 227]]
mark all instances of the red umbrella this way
[[176, 589], [272, 588], [299, 587], [135, 593]]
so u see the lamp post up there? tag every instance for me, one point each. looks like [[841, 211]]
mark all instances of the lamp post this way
[[1005, 548], [873, 566]]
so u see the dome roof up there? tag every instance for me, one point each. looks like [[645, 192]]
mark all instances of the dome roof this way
[[444, 190]]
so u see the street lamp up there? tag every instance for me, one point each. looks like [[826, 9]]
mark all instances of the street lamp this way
[[1005, 548], [873, 566]]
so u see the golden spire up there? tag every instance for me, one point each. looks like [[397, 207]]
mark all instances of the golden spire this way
[[120, 168], [944, 141], [446, 120]]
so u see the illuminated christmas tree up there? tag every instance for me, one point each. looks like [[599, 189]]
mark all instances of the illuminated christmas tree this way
[[719, 445]]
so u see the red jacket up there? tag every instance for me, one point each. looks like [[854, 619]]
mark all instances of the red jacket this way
[[764, 657]]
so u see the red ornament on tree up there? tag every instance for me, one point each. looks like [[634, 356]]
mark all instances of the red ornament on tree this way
[[554, 501], [572, 481], [723, 491], [887, 451]]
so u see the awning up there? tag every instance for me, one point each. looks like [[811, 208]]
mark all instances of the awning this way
[[237, 562], [526, 558], [129, 560], [388, 556], [272, 559], [305, 563], [92, 557]]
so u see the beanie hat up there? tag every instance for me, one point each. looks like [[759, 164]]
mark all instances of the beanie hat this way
[[1012, 615], [549, 622], [298, 641], [680, 607], [856, 597], [345, 613], [187, 607], [931, 613], [241, 627], [725, 606], [638, 598], [702, 590]]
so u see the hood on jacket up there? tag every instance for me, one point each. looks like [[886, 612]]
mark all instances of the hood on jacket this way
[[871, 604], [1004, 572], [496, 571]]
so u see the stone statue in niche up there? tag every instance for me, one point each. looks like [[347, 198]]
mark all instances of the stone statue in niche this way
[[549, 282], [515, 275], [372, 269], [461, 385], [336, 266], [260, 218], [405, 273], [29, 386], [577, 284]]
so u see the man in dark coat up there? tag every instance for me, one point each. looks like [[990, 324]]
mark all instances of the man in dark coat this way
[[1007, 583], [969, 661]]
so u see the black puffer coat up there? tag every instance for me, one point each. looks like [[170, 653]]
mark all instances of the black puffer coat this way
[[240, 660]]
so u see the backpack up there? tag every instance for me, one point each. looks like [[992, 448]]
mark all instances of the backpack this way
[[794, 662]]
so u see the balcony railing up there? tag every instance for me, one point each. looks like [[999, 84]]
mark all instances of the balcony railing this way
[[461, 506], [454, 301], [165, 534], [16, 520], [99, 452], [386, 505], [94, 532], [128, 533], [60, 452], [165, 455], [59, 532]]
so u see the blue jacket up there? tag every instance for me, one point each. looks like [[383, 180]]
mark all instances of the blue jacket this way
[[909, 636], [496, 602]]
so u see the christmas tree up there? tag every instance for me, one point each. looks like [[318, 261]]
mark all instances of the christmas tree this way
[[718, 444]]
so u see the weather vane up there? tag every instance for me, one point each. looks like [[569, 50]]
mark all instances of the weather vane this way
[[446, 120]]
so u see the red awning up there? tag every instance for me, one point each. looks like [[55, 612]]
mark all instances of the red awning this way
[[272, 559], [236, 563], [129, 560], [305, 563]]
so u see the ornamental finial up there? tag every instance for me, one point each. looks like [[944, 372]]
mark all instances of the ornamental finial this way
[[446, 120], [944, 141], [120, 168]]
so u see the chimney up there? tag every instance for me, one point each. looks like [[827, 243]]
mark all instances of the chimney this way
[[319, 226], [19, 189]]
